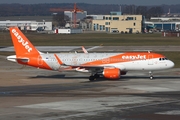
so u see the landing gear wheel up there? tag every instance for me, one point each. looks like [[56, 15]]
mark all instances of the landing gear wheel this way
[[96, 76], [151, 77], [91, 78]]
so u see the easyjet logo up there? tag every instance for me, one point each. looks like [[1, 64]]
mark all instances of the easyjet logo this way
[[134, 57], [22, 41]]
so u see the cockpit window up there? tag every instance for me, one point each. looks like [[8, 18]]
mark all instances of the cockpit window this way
[[160, 59]]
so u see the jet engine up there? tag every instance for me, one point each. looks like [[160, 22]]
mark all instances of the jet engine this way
[[112, 73]]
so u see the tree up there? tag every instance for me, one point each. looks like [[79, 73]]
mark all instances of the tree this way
[[141, 10], [130, 9], [154, 12], [60, 19]]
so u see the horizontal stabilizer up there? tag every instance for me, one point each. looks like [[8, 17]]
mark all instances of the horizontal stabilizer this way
[[23, 59], [13, 58]]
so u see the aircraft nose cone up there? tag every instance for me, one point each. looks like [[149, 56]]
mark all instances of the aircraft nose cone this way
[[170, 64]]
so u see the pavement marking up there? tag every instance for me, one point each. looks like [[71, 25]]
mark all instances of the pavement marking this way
[[172, 112], [100, 48], [91, 104], [116, 109], [150, 88], [46, 48]]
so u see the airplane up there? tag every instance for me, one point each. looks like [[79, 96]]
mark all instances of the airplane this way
[[107, 65]]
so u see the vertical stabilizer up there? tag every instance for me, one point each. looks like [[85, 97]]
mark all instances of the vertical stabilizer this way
[[22, 45]]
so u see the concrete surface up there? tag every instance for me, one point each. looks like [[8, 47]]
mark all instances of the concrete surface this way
[[98, 48]]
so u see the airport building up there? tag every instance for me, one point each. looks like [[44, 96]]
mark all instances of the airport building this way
[[164, 23], [79, 15], [118, 23], [27, 25], [165, 19], [163, 26]]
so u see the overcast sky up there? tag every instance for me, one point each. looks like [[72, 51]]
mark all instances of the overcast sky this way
[[135, 2]]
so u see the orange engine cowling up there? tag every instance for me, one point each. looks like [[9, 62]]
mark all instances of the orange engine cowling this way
[[112, 73]]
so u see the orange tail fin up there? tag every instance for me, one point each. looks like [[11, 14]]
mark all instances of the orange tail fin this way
[[22, 45]]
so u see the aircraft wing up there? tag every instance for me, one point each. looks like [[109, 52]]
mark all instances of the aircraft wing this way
[[85, 68], [88, 66]]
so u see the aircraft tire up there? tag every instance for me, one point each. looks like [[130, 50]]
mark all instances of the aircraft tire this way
[[151, 77], [91, 78], [97, 76]]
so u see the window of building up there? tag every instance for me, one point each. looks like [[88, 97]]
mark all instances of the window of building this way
[[115, 18], [107, 23], [97, 26], [107, 29], [129, 18], [134, 24], [103, 27], [94, 26], [103, 17], [40, 23]]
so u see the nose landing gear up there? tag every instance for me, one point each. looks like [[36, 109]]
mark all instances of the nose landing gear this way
[[151, 75]]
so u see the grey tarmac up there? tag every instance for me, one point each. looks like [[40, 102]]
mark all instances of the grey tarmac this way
[[97, 48]]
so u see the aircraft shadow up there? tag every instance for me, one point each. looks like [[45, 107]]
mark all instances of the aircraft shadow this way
[[64, 77], [123, 78], [147, 77], [59, 76]]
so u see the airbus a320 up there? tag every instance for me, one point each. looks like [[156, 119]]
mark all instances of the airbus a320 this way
[[107, 65]]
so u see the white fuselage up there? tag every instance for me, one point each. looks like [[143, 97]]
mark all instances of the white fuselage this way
[[81, 58]]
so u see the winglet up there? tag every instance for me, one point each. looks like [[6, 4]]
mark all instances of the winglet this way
[[84, 50]]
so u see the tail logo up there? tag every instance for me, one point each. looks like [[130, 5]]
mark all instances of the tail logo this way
[[22, 41]]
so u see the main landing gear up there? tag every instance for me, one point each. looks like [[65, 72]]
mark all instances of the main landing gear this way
[[151, 75], [93, 77]]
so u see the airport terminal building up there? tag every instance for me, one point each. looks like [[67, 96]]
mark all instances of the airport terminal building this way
[[27, 25], [164, 23], [118, 23]]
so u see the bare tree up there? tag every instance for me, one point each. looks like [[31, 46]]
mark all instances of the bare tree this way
[[130, 9], [141, 10], [154, 12], [60, 19]]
